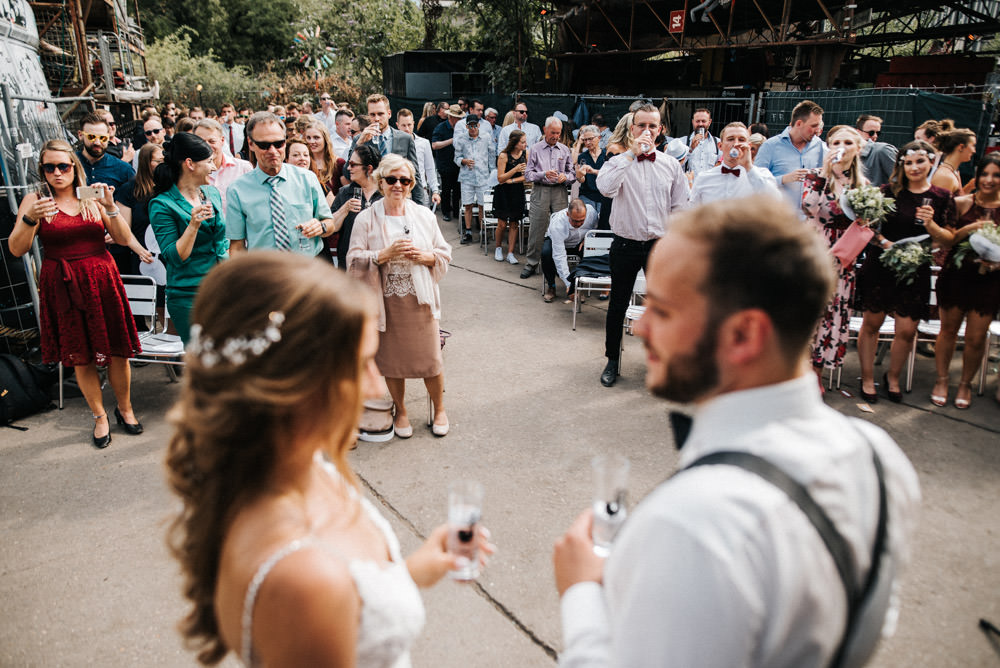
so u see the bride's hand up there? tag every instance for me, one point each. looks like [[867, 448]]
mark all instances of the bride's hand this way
[[432, 561]]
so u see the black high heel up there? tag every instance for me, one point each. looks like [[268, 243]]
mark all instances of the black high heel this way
[[894, 397], [134, 429], [101, 442], [870, 398]]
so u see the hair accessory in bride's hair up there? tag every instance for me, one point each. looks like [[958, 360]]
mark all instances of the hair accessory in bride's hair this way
[[919, 151], [236, 349]]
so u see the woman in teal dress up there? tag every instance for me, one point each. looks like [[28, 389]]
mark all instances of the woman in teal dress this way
[[186, 217]]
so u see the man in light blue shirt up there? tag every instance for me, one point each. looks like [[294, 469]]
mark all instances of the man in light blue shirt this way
[[476, 157], [796, 150], [277, 205]]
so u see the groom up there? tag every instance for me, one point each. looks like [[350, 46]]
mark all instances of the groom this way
[[716, 566]]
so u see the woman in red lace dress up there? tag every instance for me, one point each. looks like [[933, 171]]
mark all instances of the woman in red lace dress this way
[[85, 317]]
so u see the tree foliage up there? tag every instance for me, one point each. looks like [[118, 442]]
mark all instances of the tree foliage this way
[[171, 62]]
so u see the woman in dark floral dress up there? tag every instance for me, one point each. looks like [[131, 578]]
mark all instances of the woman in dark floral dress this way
[[821, 191]]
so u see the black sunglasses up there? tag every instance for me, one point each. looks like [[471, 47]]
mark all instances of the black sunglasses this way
[[872, 133], [405, 180], [150, 133], [265, 145], [51, 167]]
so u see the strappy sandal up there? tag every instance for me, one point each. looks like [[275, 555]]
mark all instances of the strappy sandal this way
[[960, 403], [938, 399]]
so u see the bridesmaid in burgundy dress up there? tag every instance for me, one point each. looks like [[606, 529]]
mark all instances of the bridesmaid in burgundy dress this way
[[920, 209], [970, 292], [85, 317]]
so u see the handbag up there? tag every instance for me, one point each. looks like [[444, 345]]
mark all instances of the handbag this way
[[851, 243]]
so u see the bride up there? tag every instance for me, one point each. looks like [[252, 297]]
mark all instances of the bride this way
[[285, 561]]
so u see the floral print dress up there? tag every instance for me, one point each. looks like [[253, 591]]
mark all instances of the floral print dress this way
[[822, 209]]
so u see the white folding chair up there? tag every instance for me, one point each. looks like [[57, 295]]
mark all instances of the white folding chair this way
[[595, 242], [162, 348], [992, 339], [885, 335], [488, 221]]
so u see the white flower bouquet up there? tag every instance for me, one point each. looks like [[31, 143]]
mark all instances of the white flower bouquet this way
[[986, 242], [905, 258], [867, 203]]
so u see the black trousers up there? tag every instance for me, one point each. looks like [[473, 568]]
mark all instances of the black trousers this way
[[626, 258], [451, 192], [549, 265]]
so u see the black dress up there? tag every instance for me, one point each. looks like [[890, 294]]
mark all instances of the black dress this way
[[964, 286], [508, 198], [344, 240], [877, 290]]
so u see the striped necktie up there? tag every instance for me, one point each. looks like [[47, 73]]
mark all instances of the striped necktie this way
[[281, 239]]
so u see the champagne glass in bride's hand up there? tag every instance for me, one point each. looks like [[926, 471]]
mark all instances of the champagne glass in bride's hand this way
[[610, 491], [465, 510]]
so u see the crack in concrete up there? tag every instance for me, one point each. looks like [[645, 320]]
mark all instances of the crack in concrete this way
[[500, 607]]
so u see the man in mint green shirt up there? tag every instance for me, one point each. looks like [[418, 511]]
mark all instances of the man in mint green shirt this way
[[276, 195]]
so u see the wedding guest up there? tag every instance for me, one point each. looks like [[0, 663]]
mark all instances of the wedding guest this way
[[186, 216], [508, 195], [327, 167], [822, 190], [957, 147], [84, 317], [970, 292], [134, 195], [297, 153], [736, 176], [588, 163], [397, 249], [354, 198], [879, 292], [227, 168], [285, 561]]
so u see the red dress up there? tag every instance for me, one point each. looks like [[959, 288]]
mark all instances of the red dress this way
[[85, 317]]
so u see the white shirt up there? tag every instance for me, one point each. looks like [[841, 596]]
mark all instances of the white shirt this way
[[645, 192], [425, 163], [340, 145], [565, 236], [719, 568], [533, 131], [237, 131], [329, 120], [713, 185], [705, 154]]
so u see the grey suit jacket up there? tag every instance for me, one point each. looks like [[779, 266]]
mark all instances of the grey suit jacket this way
[[403, 144]]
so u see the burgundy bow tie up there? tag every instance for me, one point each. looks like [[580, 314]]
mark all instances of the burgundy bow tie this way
[[735, 171], [651, 156]]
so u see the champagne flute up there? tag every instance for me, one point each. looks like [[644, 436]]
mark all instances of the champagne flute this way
[[924, 201], [609, 502], [465, 511]]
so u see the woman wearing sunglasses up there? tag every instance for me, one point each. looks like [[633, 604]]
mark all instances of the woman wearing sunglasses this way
[[397, 248], [84, 314], [355, 197]]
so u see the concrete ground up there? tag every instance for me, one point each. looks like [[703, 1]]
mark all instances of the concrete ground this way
[[85, 578]]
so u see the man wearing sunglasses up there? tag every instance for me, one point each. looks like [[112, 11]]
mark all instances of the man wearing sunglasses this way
[[154, 132], [277, 205], [100, 167], [520, 123], [877, 157], [327, 113]]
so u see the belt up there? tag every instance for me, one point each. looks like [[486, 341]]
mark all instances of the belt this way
[[68, 292], [633, 242]]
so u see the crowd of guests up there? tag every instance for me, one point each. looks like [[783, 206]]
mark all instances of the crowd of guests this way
[[356, 197]]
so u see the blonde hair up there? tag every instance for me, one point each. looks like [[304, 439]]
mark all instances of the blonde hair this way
[[622, 134], [233, 420], [88, 206], [854, 173], [329, 157]]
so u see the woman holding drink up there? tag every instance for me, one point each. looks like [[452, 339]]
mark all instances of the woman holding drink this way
[[186, 217], [285, 561], [398, 250], [508, 196], [920, 209], [84, 315], [356, 197], [970, 292]]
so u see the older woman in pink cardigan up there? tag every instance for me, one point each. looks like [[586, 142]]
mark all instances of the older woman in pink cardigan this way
[[397, 248]]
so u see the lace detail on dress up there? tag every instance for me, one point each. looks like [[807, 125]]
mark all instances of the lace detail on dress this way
[[399, 281], [392, 612]]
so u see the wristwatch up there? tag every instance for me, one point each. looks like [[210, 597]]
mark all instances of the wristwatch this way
[[28, 221]]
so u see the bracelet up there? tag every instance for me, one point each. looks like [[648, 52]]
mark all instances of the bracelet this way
[[28, 221], [112, 214]]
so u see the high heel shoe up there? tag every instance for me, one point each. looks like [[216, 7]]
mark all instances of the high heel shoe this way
[[940, 399], [894, 397], [134, 429], [962, 404], [101, 442], [870, 398]]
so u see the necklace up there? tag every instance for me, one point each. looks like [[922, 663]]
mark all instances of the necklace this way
[[949, 166]]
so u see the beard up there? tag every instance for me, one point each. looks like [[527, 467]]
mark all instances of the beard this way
[[689, 377], [94, 150]]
